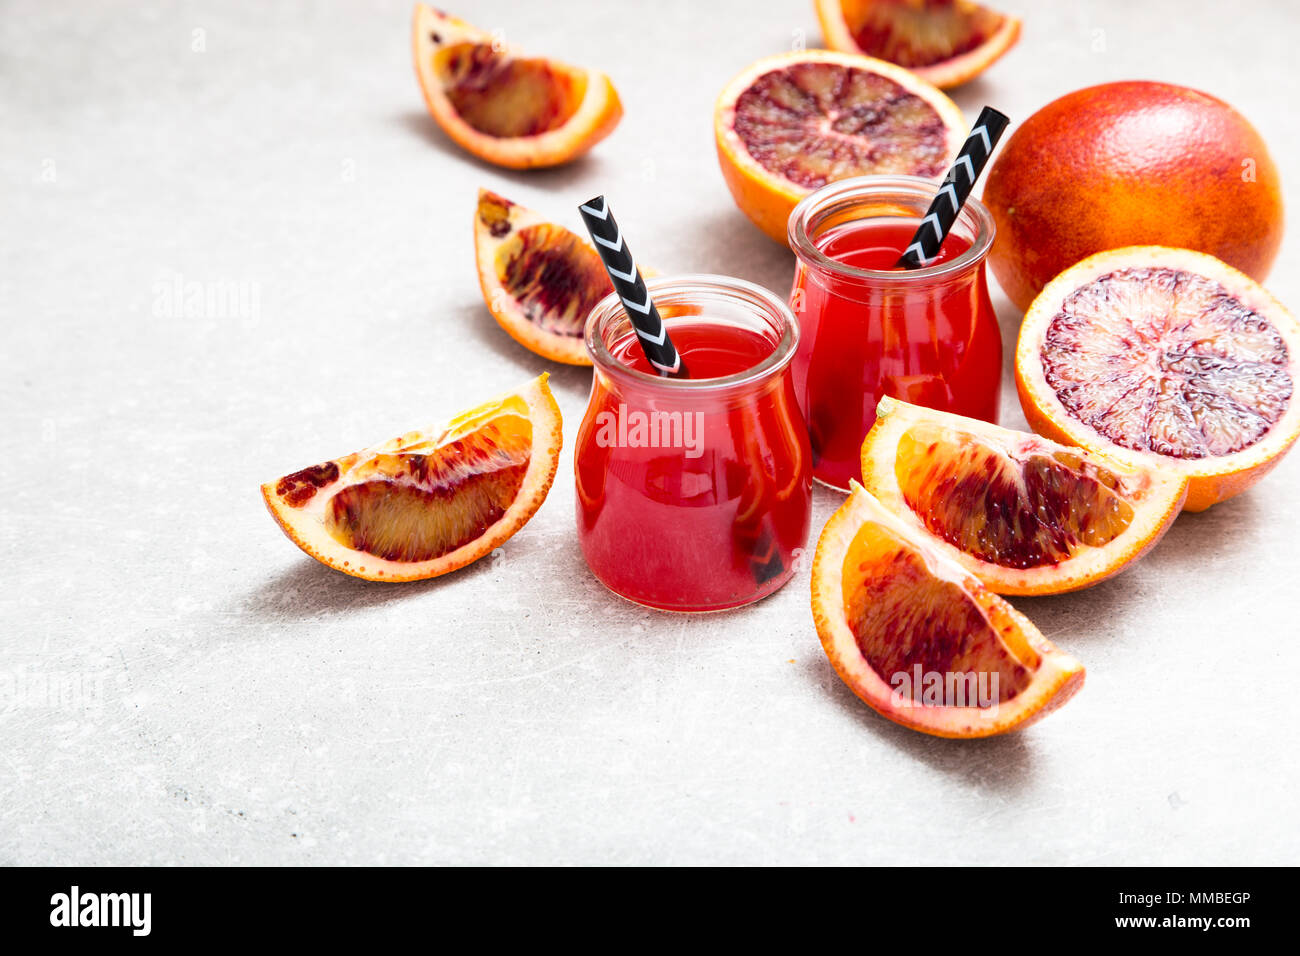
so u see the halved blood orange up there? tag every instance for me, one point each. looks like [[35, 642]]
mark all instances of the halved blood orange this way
[[794, 122], [1168, 358], [1023, 514], [919, 639], [429, 501], [539, 280], [944, 41], [503, 107]]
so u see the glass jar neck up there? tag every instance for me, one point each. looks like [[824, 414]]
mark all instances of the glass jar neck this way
[[713, 299], [902, 199]]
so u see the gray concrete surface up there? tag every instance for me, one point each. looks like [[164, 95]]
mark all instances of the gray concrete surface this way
[[184, 686]]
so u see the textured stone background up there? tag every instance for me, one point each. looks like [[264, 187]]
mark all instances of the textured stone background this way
[[227, 700]]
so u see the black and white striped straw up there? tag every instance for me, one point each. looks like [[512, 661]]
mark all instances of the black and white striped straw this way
[[975, 153], [617, 257]]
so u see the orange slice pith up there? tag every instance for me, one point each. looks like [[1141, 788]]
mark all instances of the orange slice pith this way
[[1165, 357], [1023, 514], [503, 107], [896, 618], [793, 122], [539, 280], [946, 42], [427, 502]]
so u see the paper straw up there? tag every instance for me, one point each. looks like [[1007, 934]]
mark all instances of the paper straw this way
[[629, 285], [975, 153]]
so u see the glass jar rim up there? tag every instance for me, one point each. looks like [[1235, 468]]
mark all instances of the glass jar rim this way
[[845, 193], [670, 289]]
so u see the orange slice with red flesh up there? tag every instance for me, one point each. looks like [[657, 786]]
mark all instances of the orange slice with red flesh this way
[[539, 280], [1023, 514], [429, 501], [946, 42], [504, 107], [794, 122], [919, 639], [1167, 358]]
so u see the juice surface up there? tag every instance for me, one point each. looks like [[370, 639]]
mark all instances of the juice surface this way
[[878, 243], [705, 510], [708, 349], [931, 342]]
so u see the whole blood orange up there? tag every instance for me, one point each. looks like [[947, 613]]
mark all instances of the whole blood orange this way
[[1023, 514], [1166, 358], [1126, 164], [919, 639], [430, 501]]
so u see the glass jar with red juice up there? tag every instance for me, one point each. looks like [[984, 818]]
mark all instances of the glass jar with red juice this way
[[694, 494], [867, 328]]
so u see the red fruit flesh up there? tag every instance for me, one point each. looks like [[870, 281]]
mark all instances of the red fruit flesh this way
[[902, 616], [815, 123], [1160, 360], [917, 36], [421, 507], [502, 96], [553, 276], [1029, 511]]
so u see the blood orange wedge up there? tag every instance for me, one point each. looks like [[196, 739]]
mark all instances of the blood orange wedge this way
[[796, 121], [919, 639], [503, 107], [429, 501], [1168, 358], [944, 41], [1023, 514], [539, 280]]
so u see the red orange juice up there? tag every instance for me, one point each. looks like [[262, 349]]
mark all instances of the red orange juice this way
[[694, 494], [868, 329]]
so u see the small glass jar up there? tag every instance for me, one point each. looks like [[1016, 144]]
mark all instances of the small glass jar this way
[[927, 336], [694, 494]]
